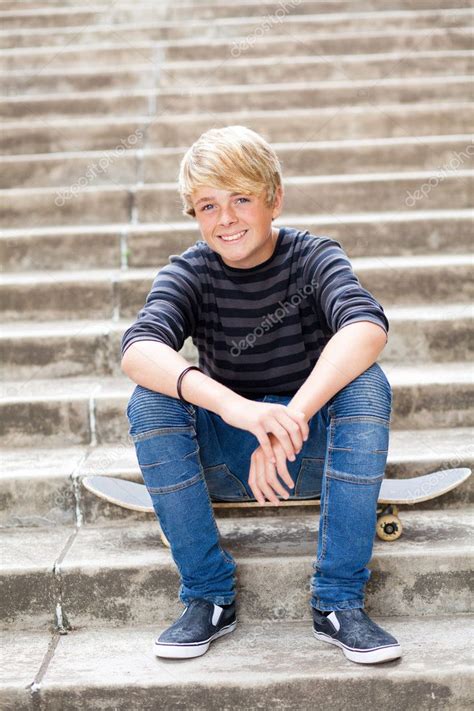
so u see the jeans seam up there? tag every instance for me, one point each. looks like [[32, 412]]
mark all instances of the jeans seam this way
[[213, 518], [140, 436], [378, 419], [364, 481], [175, 487], [326, 479]]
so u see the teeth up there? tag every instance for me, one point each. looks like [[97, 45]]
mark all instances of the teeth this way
[[233, 237]]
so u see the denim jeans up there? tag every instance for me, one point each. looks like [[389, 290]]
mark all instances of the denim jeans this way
[[189, 457]]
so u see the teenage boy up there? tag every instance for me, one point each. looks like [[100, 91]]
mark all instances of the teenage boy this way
[[287, 402]]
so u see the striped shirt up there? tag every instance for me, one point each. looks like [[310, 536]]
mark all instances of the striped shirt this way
[[259, 330]]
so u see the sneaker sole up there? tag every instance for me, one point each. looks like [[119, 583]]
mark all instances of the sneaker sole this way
[[191, 649], [366, 656]]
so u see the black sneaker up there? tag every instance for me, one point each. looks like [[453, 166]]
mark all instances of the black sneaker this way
[[361, 639], [199, 624]]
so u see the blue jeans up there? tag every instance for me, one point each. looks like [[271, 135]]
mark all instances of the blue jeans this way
[[189, 457]]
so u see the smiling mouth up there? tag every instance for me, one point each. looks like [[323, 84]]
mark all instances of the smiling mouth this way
[[236, 237]]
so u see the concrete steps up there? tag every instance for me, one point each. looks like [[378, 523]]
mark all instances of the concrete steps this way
[[237, 28], [250, 71], [378, 234], [279, 662], [213, 8], [57, 349], [100, 294], [135, 579], [205, 98], [407, 190], [40, 487], [83, 410], [102, 13], [159, 130], [120, 52], [154, 165]]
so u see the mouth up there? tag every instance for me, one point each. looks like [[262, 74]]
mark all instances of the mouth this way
[[235, 237]]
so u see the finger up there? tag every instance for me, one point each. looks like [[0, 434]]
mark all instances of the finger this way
[[293, 428], [277, 429], [273, 482], [265, 443], [253, 480], [281, 466], [263, 485], [301, 419]]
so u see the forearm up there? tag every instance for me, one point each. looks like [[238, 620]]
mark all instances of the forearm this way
[[157, 367], [347, 354]]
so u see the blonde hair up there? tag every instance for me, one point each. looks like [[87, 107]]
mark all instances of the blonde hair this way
[[230, 158]]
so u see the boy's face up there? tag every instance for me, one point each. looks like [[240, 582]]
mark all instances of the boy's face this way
[[222, 213]]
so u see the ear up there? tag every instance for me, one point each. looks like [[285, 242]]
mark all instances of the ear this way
[[278, 202]]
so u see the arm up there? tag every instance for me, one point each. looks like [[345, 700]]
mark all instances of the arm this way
[[150, 357], [157, 366], [359, 328], [151, 345], [356, 319], [334, 370]]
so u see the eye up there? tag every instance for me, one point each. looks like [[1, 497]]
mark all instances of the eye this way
[[243, 198], [204, 208]]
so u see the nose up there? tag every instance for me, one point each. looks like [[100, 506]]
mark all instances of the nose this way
[[227, 216]]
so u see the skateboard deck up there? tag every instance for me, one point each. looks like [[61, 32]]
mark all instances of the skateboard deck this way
[[135, 496]]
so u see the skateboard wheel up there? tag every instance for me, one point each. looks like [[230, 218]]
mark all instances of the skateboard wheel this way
[[389, 527]]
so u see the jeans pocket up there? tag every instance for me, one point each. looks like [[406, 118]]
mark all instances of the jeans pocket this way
[[223, 485], [309, 479]]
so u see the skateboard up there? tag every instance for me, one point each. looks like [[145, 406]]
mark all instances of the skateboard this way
[[393, 492]]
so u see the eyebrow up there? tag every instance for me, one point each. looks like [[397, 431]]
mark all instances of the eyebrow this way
[[206, 199]]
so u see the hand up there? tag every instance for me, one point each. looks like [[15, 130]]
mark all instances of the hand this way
[[289, 426], [262, 476]]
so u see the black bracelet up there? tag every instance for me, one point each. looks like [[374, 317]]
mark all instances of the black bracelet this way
[[178, 385]]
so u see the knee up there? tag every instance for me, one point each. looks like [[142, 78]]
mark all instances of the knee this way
[[148, 410], [370, 394]]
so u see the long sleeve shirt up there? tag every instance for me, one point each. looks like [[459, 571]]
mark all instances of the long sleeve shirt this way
[[259, 330]]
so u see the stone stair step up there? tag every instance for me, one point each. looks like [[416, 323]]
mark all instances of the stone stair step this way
[[92, 410], [58, 349], [118, 133], [101, 293], [278, 659], [378, 234], [41, 486], [19, 17], [239, 28], [160, 202], [155, 165], [104, 294], [265, 70], [205, 98], [425, 572], [429, 333], [220, 7], [118, 53]]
